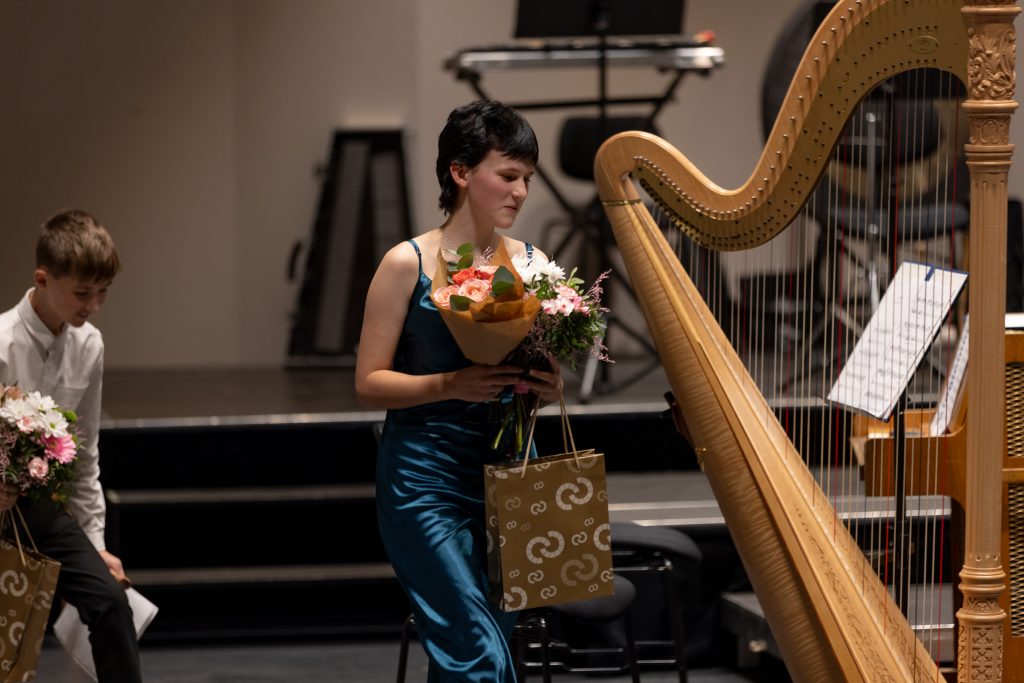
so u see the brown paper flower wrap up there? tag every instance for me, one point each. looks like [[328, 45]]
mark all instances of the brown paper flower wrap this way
[[488, 330]]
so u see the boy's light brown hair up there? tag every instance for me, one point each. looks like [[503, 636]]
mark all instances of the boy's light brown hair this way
[[73, 244]]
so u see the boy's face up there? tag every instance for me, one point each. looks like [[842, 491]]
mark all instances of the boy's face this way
[[67, 300]]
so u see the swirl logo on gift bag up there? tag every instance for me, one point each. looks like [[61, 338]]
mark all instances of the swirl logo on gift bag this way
[[581, 570], [13, 583], [546, 550], [538, 508], [603, 537], [535, 576], [573, 492], [520, 593]]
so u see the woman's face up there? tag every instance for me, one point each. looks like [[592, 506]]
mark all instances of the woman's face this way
[[496, 188]]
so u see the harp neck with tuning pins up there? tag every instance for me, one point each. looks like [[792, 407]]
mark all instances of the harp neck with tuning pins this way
[[842, 567]]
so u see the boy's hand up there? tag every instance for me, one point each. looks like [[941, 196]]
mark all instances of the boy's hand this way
[[8, 496], [116, 569]]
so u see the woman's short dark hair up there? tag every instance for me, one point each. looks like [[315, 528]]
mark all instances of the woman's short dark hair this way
[[471, 132]]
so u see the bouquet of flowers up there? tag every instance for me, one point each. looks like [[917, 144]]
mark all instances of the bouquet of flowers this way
[[524, 312], [37, 446], [571, 325], [486, 308]]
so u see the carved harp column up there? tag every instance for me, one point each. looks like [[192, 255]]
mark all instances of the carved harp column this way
[[991, 79]]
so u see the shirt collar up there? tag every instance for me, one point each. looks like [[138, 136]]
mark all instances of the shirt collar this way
[[35, 325]]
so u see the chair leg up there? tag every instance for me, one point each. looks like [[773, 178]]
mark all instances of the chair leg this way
[[634, 668], [403, 649], [545, 651], [519, 657], [675, 620]]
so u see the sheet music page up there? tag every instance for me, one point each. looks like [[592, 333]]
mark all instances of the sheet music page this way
[[897, 338], [957, 372]]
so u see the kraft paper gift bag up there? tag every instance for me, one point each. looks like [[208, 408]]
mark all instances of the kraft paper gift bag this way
[[28, 580], [548, 536]]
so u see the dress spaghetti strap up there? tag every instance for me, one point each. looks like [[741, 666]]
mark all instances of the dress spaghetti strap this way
[[419, 256]]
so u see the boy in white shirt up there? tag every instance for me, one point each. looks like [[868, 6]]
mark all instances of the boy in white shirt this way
[[47, 345]]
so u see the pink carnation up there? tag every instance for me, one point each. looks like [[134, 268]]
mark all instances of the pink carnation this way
[[38, 468], [60, 448]]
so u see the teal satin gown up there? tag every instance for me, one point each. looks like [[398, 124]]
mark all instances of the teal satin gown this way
[[430, 509]]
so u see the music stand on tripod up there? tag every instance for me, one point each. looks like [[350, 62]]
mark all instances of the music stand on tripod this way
[[581, 137]]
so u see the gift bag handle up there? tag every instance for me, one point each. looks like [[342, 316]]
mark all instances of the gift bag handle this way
[[568, 443], [4, 517]]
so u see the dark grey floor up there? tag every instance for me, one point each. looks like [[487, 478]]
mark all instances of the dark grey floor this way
[[348, 662]]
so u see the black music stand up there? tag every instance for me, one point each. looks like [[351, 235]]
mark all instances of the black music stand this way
[[600, 20]]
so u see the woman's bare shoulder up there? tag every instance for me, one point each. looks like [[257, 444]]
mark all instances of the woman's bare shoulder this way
[[399, 260]]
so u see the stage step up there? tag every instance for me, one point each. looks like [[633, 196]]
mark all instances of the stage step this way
[[209, 576], [252, 527], [273, 601]]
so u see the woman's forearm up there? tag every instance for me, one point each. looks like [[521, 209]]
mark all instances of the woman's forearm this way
[[388, 389]]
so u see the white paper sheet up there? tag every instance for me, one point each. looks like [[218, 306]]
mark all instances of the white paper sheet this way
[[74, 635], [897, 338]]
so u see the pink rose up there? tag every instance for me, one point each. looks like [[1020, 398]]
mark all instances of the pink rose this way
[[475, 289], [486, 272], [443, 295], [38, 468]]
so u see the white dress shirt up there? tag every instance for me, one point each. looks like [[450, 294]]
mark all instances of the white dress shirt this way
[[68, 367]]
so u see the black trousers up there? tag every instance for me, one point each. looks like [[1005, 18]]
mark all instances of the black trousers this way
[[86, 583]]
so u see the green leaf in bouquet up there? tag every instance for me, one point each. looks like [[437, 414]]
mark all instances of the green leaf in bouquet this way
[[502, 281], [457, 302], [465, 261], [464, 249]]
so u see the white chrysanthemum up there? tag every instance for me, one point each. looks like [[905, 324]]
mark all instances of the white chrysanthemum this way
[[537, 268], [17, 410], [54, 423], [40, 403]]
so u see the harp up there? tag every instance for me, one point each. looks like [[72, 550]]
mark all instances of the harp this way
[[836, 613]]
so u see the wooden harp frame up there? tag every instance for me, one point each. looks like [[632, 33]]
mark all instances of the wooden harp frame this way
[[832, 617]]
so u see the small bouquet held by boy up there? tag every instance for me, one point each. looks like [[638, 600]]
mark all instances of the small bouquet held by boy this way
[[37, 445], [547, 518], [37, 457]]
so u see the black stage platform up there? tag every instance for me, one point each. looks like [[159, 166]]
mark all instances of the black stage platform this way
[[241, 502]]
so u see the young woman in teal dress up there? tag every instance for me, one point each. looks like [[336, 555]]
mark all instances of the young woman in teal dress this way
[[439, 426]]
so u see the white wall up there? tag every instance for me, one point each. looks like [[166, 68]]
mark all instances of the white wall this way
[[191, 128]]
